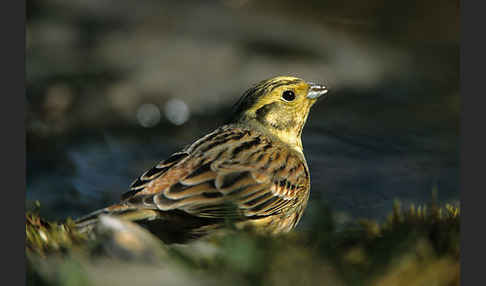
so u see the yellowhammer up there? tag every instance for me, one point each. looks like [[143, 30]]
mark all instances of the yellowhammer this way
[[251, 171]]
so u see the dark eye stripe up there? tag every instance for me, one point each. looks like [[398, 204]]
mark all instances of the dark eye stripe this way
[[264, 110]]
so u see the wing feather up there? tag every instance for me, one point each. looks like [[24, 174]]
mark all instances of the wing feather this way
[[231, 172], [153, 173]]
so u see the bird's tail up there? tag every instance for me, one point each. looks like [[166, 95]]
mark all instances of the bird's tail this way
[[86, 223]]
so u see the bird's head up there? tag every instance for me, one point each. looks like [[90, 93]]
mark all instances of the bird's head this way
[[280, 106]]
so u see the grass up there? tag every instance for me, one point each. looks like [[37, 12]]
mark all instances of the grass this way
[[417, 245]]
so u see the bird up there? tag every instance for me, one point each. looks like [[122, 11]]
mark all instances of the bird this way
[[250, 172]]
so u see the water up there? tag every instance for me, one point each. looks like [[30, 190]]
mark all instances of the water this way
[[389, 128]]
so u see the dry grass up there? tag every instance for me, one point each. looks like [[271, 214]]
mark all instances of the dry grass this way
[[418, 245]]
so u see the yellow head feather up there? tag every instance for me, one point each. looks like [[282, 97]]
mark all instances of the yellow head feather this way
[[278, 106]]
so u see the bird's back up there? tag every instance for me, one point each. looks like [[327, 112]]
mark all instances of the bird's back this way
[[234, 173]]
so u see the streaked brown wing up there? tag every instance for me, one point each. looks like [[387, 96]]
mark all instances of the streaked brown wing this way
[[153, 174], [231, 172]]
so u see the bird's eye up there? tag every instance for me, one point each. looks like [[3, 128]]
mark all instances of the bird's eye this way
[[288, 95]]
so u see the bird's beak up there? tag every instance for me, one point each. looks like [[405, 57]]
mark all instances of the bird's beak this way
[[316, 90]]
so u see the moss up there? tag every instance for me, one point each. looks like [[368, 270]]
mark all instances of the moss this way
[[43, 237], [415, 245]]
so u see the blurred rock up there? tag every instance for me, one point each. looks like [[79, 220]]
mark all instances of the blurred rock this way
[[127, 241]]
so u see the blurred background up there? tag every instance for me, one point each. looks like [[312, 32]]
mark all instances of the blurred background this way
[[115, 86]]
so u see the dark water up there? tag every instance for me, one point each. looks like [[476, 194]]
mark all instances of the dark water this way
[[388, 130]]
